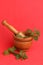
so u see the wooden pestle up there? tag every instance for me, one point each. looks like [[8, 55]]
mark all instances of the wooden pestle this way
[[11, 28]]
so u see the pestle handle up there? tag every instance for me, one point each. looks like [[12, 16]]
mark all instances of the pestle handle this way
[[11, 28]]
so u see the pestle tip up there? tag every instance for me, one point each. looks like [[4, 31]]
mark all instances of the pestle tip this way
[[3, 22]]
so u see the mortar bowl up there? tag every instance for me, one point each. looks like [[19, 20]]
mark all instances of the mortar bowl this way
[[22, 43]]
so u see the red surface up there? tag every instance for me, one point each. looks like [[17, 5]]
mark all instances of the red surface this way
[[22, 14]]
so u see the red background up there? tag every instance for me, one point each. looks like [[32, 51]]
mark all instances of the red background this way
[[22, 14]]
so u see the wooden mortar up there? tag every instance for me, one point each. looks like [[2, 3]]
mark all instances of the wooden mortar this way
[[20, 43]]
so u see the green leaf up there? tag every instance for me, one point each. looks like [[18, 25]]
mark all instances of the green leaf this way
[[32, 34], [17, 56], [21, 52], [11, 50], [35, 37], [6, 52], [26, 36], [14, 53], [19, 36], [24, 56], [29, 31], [37, 32], [14, 48]]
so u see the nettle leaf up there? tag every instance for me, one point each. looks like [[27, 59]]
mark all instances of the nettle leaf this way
[[32, 34], [21, 52], [37, 32], [24, 56], [14, 48], [19, 36], [11, 50], [18, 56], [29, 31], [6, 52], [35, 37], [26, 36]]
